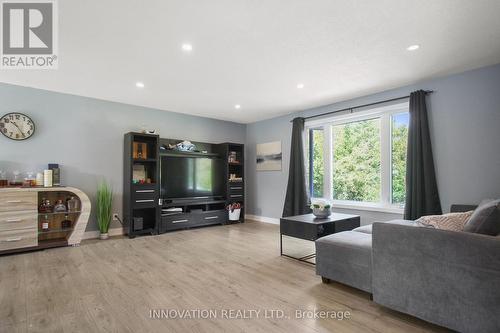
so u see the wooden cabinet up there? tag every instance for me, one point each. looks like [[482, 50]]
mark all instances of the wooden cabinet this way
[[18, 201], [20, 221]]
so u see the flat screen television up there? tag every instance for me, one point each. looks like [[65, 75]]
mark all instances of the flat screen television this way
[[191, 177]]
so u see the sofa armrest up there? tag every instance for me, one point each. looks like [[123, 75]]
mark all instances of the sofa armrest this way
[[445, 277]]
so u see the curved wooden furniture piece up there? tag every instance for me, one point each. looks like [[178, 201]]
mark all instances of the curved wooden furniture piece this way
[[20, 219]]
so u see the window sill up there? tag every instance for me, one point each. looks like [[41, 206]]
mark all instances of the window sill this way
[[368, 207]]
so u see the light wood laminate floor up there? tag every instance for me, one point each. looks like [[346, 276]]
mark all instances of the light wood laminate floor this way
[[110, 286]]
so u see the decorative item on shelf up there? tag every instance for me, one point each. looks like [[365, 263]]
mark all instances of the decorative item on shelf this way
[[73, 204], [47, 178], [3, 179], [139, 150], [56, 174], [60, 207], [234, 178], [66, 223], [16, 181], [321, 208], [30, 180], [234, 210], [138, 174], [45, 223], [232, 157], [104, 202], [39, 179], [45, 206], [149, 131], [183, 146]]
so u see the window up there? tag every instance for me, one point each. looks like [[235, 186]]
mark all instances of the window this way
[[317, 162], [360, 159], [356, 158], [399, 138]]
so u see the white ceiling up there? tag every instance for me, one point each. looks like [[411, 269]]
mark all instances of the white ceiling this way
[[254, 53]]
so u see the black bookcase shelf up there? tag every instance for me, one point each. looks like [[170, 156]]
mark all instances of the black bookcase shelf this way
[[187, 153], [144, 212], [141, 208], [234, 154]]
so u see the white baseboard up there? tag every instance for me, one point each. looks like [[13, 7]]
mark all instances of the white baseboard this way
[[95, 233], [264, 219]]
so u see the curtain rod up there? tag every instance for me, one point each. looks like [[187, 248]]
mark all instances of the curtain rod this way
[[362, 106]]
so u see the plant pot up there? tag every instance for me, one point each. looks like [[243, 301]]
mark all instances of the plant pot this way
[[234, 215], [104, 235], [322, 213]]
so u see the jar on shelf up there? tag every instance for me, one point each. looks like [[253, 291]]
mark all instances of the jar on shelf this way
[[3, 179], [73, 204], [16, 181], [30, 180]]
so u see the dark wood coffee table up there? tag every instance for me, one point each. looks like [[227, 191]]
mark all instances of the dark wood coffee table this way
[[310, 228]]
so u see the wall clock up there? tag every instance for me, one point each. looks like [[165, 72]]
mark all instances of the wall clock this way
[[17, 126]]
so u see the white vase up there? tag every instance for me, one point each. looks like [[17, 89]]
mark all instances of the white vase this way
[[104, 235]]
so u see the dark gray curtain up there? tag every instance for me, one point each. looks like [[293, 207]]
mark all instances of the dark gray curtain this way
[[422, 197], [297, 197]]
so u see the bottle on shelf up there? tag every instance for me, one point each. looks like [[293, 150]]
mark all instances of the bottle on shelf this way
[[59, 207], [39, 179], [45, 223], [47, 178], [45, 206], [66, 223]]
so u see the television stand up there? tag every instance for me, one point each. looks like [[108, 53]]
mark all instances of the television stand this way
[[145, 156], [194, 213]]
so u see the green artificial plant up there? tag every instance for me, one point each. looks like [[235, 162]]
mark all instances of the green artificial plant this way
[[104, 202]]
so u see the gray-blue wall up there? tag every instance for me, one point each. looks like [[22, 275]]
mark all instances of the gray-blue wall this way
[[464, 116], [85, 136]]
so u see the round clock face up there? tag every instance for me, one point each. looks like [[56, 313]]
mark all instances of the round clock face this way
[[17, 126]]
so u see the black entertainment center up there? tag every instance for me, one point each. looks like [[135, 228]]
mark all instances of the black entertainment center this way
[[167, 189]]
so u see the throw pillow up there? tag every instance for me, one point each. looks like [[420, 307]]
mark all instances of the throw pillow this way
[[486, 219], [450, 221]]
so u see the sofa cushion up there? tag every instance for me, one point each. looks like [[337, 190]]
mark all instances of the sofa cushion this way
[[450, 221], [367, 229], [485, 219], [346, 257]]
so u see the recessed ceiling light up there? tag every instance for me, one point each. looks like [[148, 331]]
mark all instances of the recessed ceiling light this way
[[237, 106], [413, 47], [300, 86], [139, 84], [187, 47]]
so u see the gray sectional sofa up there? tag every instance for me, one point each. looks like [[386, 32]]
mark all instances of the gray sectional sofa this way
[[445, 277]]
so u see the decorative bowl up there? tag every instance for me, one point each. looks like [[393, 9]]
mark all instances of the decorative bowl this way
[[322, 213]]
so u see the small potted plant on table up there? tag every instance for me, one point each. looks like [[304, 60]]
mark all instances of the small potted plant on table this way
[[104, 202], [321, 208]]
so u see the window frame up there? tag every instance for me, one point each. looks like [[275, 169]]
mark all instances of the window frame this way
[[384, 113]]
